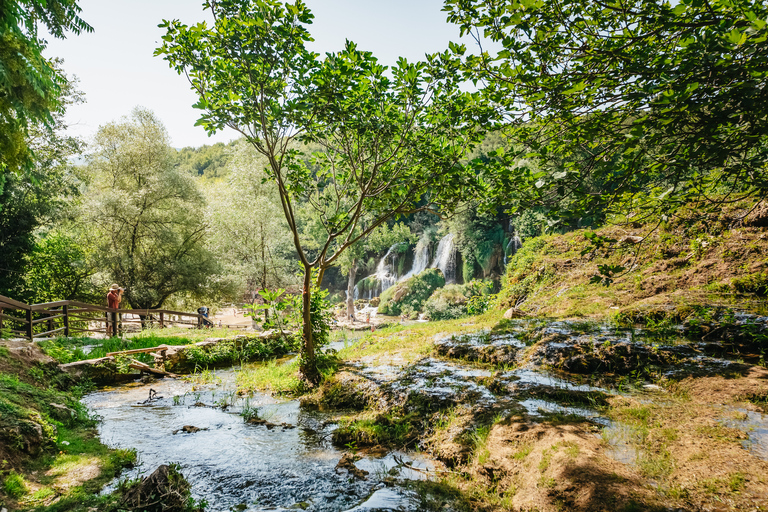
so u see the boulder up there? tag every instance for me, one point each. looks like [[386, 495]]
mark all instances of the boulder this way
[[165, 490]]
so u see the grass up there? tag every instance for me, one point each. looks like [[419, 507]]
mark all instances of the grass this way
[[381, 430], [412, 342], [276, 376]]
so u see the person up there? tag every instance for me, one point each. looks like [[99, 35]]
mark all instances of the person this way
[[114, 297], [203, 311]]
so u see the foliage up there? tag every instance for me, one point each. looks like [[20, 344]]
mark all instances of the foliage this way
[[145, 215], [645, 105], [411, 294], [389, 138], [30, 84], [247, 231], [239, 350], [208, 162], [42, 193], [479, 238], [59, 270], [458, 300]]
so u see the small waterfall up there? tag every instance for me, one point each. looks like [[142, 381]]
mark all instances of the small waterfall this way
[[515, 243], [445, 258], [420, 260], [385, 277]]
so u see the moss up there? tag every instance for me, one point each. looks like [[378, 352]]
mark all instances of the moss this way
[[410, 295], [382, 430]]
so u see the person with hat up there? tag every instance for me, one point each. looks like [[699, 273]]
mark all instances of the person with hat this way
[[114, 297]]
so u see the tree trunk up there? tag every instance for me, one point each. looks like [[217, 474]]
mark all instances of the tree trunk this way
[[351, 289], [308, 365]]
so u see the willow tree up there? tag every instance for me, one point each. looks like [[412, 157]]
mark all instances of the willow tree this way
[[145, 216], [390, 138]]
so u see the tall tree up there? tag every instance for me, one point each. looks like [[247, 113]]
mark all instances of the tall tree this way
[[146, 216], [30, 84], [248, 233], [641, 103], [37, 196], [389, 136]]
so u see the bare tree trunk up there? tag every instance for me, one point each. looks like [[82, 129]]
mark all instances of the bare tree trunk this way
[[351, 289], [308, 365]]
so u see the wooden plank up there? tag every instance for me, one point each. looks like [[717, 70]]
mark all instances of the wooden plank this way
[[30, 335], [47, 319], [136, 365], [11, 302], [46, 305], [12, 318], [78, 329], [38, 335], [66, 320], [138, 350]]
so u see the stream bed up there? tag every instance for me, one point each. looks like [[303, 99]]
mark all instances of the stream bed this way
[[231, 463]]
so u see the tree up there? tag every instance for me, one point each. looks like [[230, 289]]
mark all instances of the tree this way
[[60, 269], [30, 84], [248, 233], [37, 196], [146, 216], [389, 136], [625, 105]]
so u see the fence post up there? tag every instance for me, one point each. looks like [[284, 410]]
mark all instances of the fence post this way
[[162, 320], [2, 310], [199, 321], [65, 311], [29, 326]]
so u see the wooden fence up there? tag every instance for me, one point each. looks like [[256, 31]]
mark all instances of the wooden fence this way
[[71, 318]]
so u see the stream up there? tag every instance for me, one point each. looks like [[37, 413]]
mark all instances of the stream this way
[[290, 463], [234, 464]]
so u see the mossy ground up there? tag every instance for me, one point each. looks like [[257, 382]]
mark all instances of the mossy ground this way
[[51, 456], [718, 260]]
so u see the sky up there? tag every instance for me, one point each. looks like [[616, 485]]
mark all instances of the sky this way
[[117, 71]]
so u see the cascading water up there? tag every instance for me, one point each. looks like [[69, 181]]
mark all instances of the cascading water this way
[[445, 258], [420, 260], [512, 247], [384, 277]]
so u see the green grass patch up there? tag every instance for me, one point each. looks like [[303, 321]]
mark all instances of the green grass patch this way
[[382, 430]]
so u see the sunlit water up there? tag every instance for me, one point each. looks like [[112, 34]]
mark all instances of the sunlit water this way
[[233, 463]]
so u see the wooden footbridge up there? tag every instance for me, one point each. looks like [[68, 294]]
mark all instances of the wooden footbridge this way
[[73, 318]]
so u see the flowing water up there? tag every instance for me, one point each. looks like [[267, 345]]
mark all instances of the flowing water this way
[[230, 462]]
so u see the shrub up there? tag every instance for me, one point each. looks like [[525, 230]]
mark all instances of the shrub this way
[[411, 294], [457, 300]]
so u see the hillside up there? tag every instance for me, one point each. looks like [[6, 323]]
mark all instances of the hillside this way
[[719, 260]]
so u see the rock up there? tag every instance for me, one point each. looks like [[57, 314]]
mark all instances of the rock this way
[[347, 462], [514, 313], [62, 412], [165, 490], [631, 240], [189, 429]]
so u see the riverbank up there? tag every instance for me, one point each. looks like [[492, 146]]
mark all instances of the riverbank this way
[[50, 451], [549, 416]]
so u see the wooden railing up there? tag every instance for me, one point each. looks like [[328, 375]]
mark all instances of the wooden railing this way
[[71, 317]]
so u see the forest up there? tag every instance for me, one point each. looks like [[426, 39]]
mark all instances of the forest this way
[[578, 194]]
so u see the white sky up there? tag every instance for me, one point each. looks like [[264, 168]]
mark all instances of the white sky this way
[[118, 72]]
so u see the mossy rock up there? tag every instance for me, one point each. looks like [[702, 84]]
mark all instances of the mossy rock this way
[[410, 295]]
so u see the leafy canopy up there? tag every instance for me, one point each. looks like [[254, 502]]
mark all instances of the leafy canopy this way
[[645, 103]]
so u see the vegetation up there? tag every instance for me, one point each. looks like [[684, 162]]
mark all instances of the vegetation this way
[[616, 108], [361, 177], [458, 300], [408, 297]]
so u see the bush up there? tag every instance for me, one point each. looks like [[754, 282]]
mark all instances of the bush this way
[[457, 300], [411, 294]]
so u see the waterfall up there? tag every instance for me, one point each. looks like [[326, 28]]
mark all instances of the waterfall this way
[[384, 277], [516, 244], [445, 258], [420, 260]]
